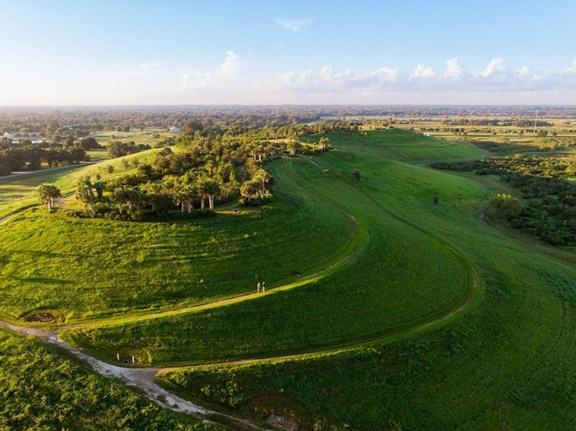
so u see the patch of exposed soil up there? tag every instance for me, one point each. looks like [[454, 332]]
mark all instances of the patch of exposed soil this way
[[283, 423], [281, 411], [41, 318]]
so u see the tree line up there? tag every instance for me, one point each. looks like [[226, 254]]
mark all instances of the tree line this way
[[17, 157], [547, 204]]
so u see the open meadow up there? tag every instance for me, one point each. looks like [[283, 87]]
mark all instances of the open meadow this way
[[382, 306]]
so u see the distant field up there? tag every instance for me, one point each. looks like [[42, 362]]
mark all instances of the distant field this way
[[147, 136]]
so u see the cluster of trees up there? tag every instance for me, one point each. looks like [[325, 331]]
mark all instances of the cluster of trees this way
[[548, 208], [120, 149], [191, 179], [15, 157]]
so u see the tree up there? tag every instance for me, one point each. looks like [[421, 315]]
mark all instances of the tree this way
[[47, 193], [209, 188], [356, 174], [250, 189], [324, 143], [85, 194], [89, 144], [506, 205]]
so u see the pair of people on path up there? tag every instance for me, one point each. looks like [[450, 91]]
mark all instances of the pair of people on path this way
[[261, 287]]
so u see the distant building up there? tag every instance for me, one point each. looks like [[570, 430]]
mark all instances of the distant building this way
[[174, 130], [8, 136]]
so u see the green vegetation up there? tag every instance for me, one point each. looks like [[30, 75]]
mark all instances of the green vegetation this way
[[390, 303], [504, 364], [108, 266], [41, 390], [20, 191], [547, 189], [332, 311]]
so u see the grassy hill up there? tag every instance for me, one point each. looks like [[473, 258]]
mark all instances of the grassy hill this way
[[503, 364], [383, 310]]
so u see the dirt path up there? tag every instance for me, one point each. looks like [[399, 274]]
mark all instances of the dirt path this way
[[8, 217], [141, 378]]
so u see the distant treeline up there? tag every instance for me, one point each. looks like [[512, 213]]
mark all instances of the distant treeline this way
[[17, 157], [61, 124], [516, 122]]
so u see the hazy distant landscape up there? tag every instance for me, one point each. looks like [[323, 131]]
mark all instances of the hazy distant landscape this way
[[305, 216]]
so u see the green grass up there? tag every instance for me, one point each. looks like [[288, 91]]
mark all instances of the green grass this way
[[506, 364], [98, 155], [40, 390], [405, 278], [404, 146], [426, 349], [19, 192], [80, 268], [147, 136]]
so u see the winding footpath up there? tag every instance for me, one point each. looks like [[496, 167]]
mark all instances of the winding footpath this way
[[143, 378]]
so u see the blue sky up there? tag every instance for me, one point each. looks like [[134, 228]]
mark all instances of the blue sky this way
[[56, 52]]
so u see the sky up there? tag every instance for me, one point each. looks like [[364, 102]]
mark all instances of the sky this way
[[172, 52]]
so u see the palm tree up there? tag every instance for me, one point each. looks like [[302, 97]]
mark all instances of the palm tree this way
[[85, 194], [47, 193], [209, 188]]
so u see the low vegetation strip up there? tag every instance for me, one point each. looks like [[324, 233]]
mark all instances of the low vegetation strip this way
[[53, 392]]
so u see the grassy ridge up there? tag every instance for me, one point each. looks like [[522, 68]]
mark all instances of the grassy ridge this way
[[79, 268], [403, 279], [507, 364]]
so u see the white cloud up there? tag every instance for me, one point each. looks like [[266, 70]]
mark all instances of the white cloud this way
[[225, 76], [385, 74], [453, 69], [295, 25], [422, 72], [572, 68], [496, 67], [494, 83], [230, 65]]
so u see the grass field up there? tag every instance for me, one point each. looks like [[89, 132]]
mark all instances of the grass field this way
[[380, 293], [147, 136], [506, 364], [414, 316]]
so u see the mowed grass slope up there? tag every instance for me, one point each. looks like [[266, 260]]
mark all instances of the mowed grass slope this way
[[505, 364], [404, 278], [79, 268]]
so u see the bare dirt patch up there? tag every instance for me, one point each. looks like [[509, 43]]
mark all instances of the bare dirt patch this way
[[41, 318]]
